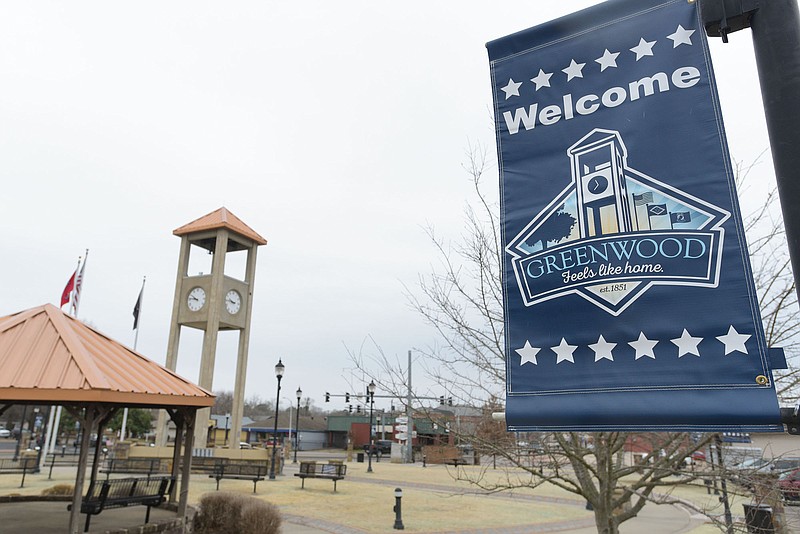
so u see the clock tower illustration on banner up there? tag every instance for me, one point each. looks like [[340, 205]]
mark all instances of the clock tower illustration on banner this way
[[614, 232], [599, 174]]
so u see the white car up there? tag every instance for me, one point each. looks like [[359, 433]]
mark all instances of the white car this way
[[5, 433]]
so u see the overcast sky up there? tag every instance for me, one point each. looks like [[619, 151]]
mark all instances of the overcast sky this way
[[336, 130]]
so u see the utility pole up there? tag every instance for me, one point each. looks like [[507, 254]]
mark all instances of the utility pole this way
[[409, 451]]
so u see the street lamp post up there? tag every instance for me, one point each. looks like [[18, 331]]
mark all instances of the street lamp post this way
[[371, 391], [227, 428], [297, 425], [278, 374]]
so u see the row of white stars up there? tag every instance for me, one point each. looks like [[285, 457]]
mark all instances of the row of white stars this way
[[607, 60], [603, 350]]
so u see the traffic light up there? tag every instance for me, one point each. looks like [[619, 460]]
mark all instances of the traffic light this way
[[358, 409], [346, 397], [327, 397], [350, 409], [441, 400], [392, 407], [450, 401]]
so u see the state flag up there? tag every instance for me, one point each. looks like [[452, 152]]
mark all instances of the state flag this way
[[680, 217], [65, 295], [656, 209]]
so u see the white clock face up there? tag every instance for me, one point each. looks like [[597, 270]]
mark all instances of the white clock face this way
[[197, 299], [597, 185], [233, 302]]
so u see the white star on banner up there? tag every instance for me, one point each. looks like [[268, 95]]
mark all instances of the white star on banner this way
[[542, 79], [644, 48], [608, 59], [528, 354], [687, 344], [564, 351], [644, 347], [575, 70], [681, 36], [734, 341], [602, 349], [511, 88]]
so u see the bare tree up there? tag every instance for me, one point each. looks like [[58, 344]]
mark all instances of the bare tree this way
[[462, 300]]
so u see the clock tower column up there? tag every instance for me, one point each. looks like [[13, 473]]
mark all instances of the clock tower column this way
[[213, 302]]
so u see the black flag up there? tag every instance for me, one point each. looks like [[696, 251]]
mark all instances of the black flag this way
[[136, 309]]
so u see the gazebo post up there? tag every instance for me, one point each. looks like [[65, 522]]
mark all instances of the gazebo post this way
[[180, 428], [104, 414], [87, 421], [189, 416]]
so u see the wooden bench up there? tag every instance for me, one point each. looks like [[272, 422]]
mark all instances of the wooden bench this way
[[122, 492], [242, 471], [455, 461], [314, 470], [23, 465]]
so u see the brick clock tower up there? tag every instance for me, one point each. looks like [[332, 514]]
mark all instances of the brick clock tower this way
[[213, 302]]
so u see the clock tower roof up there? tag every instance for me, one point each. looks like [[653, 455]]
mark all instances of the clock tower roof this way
[[221, 218]]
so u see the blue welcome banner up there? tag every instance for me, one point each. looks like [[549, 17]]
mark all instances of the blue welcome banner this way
[[628, 294]]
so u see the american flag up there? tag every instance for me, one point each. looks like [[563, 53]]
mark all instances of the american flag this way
[[76, 296], [644, 198]]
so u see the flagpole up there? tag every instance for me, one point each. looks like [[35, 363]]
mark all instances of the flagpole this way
[[75, 304], [52, 426], [139, 305]]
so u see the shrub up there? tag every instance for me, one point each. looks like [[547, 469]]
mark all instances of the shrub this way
[[59, 489], [227, 513], [259, 517]]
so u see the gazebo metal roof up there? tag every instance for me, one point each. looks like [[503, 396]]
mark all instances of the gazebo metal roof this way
[[48, 357]]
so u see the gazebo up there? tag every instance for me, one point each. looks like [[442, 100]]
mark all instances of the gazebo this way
[[50, 358]]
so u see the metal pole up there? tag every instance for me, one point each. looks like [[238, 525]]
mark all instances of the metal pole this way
[[409, 451], [776, 41], [275, 432], [371, 445], [297, 430]]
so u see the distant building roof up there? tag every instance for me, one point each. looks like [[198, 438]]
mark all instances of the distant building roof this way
[[221, 218], [48, 357], [221, 421]]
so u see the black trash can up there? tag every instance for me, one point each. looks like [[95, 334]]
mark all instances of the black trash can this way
[[360, 457], [758, 518]]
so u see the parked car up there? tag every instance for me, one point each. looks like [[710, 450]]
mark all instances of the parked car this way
[[384, 446], [789, 484], [5, 433], [782, 465]]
